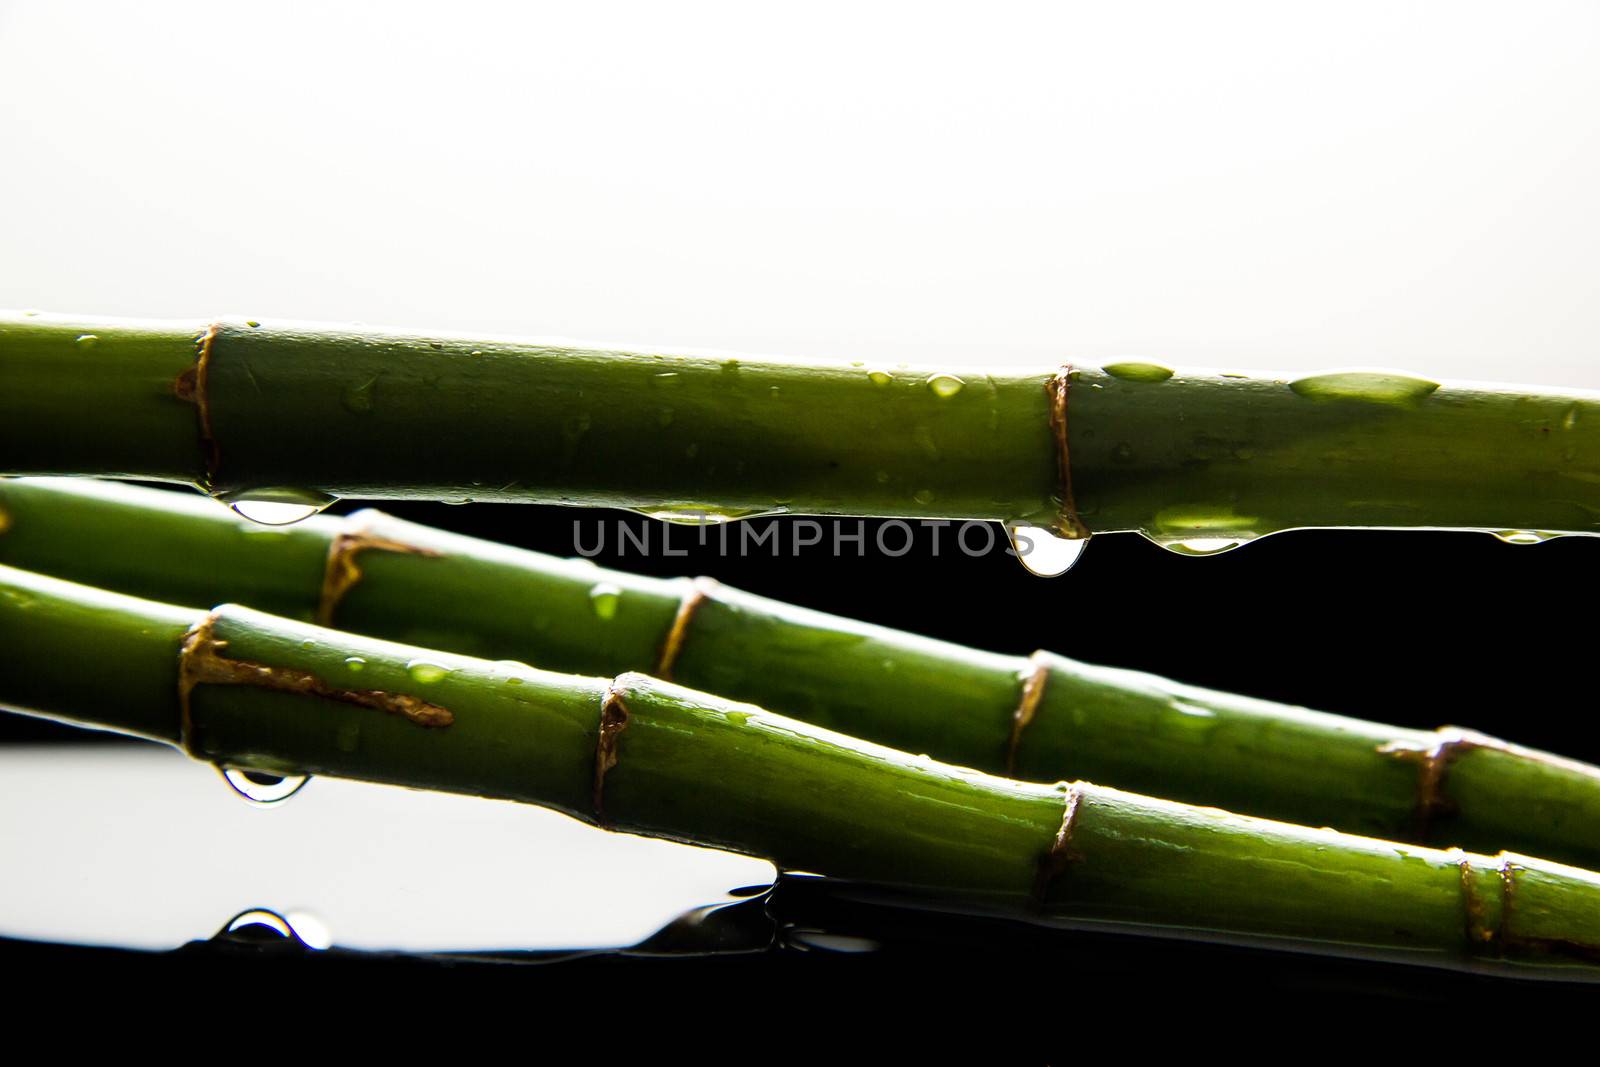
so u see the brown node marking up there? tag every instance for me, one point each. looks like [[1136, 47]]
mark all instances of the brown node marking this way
[[341, 572], [1027, 707], [1508, 896], [200, 662], [1068, 524], [699, 590], [1061, 853], [193, 386], [1478, 929], [613, 720], [1433, 765]]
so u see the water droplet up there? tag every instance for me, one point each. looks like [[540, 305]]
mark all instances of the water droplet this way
[[945, 385], [355, 663], [882, 477], [1133, 371], [702, 515], [1525, 537], [923, 496], [1193, 710], [1198, 546], [880, 377], [1378, 387], [1569, 421], [255, 924], [667, 378], [86, 340], [358, 398], [426, 672], [1042, 552], [277, 507], [604, 598], [260, 787]]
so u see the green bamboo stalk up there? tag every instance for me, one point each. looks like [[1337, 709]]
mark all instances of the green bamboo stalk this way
[[239, 687], [266, 411], [1042, 718]]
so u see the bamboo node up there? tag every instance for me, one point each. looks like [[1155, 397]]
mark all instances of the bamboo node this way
[[193, 386], [699, 590], [1033, 683], [1061, 854], [201, 662], [1068, 524], [1477, 925], [613, 720], [341, 572], [1433, 765]]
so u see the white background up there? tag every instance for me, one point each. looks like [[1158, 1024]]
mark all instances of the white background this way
[[1262, 185]]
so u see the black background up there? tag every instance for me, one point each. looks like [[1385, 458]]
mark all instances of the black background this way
[[1418, 628]]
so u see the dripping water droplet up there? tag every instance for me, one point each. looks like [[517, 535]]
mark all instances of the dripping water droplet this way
[[1042, 552], [1199, 546], [1524, 537], [604, 598], [355, 663], [880, 377], [260, 787], [945, 385], [277, 507]]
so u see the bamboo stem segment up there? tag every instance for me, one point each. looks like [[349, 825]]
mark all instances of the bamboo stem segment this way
[[649, 757], [1042, 717], [281, 412]]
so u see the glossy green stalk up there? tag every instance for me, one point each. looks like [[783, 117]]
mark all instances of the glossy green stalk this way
[[285, 411], [959, 705], [644, 756]]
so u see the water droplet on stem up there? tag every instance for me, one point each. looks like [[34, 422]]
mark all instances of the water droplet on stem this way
[[1042, 551], [261, 787]]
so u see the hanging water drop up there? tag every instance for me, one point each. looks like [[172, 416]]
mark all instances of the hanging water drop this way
[[1201, 546], [277, 507], [86, 340], [604, 598], [880, 377], [262, 788], [1524, 537], [1042, 552], [355, 663], [945, 386]]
